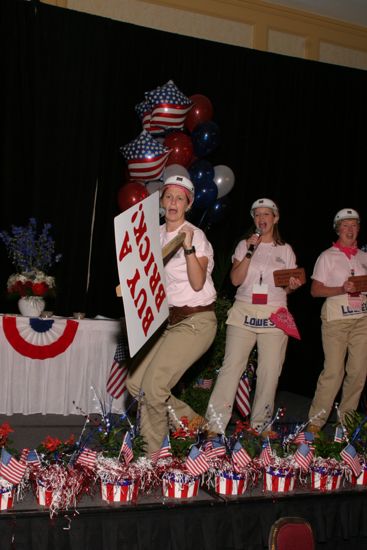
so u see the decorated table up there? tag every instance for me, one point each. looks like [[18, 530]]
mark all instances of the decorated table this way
[[55, 365]]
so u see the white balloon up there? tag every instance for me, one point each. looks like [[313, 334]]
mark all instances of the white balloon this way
[[153, 186], [224, 179], [175, 170]]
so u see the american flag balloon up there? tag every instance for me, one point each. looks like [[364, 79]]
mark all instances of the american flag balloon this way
[[169, 106], [146, 157], [144, 111]]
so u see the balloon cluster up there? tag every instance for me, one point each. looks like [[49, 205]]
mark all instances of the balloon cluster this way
[[177, 136]]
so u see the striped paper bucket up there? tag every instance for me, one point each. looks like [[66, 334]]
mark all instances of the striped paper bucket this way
[[120, 491], [230, 484], [6, 498], [180, 486]]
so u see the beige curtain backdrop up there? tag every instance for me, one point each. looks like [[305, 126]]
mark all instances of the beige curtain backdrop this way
[[247, 23]]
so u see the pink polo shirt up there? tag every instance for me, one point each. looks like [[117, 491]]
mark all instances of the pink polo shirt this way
[[266, 259], [333, 267], [179, 291]]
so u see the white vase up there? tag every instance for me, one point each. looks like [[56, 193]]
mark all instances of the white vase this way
[[31, 306]]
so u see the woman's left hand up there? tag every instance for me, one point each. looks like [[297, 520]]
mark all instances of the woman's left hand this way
[[294, 283]]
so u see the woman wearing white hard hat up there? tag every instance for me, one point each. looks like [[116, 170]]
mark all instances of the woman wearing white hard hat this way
[[249, 322], [344, 321], [191, 325]]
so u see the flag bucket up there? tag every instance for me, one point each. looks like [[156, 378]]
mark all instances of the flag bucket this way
[[180, 486], [362, 478], [6, 498], [324, 481], [229, 483], [280, 480], [44, 496], [121, 491]]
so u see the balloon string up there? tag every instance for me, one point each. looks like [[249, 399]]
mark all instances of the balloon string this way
[[202, 218]]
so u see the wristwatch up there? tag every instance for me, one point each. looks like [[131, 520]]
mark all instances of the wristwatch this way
[[188, 251]]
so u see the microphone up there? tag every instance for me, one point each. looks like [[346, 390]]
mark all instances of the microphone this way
[[251, 248]]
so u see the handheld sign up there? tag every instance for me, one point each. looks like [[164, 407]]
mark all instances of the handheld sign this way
[[168, 251], [282, 276], [360, 282], [141, 273]]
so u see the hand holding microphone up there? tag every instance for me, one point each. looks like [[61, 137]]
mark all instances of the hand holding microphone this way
[[251, 248]]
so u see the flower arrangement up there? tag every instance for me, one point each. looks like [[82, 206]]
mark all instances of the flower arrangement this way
[[34, 283], [5, 430], [54, 451], [32, 253]]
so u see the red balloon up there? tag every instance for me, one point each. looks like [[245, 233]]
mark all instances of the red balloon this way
[[130, 194], [182, 148], [201, 111]]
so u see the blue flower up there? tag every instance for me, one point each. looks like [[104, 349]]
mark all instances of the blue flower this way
[[29, 250]]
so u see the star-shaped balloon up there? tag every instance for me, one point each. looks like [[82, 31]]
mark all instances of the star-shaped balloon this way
[[146, 157], [169, 106], [144, 111]]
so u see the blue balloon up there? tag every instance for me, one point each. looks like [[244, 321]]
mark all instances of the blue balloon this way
[[205, 138], [205, 195], [219, 210], [201, 172]]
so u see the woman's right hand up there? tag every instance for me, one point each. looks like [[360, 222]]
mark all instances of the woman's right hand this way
[[254, 240], [349, 287]]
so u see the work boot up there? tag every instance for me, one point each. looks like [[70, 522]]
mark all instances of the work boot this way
[[313, 428], [196, 423]]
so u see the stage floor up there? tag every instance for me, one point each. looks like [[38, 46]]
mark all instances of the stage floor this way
[[208, 521]]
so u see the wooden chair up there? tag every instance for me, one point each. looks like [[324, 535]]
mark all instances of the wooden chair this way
[[291, 533]]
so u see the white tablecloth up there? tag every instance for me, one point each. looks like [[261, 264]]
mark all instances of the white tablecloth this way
[[61, 384]]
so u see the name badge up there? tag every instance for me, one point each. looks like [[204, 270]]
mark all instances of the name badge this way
[[260, 294], [355, 301]]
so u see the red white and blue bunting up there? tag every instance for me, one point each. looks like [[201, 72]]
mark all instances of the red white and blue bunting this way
[[39, 338]]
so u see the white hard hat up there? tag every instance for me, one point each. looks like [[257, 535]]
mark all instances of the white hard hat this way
[[264, 203], [345, 214], [181, 181]]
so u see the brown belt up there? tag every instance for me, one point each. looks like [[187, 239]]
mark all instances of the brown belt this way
[[177, 314]]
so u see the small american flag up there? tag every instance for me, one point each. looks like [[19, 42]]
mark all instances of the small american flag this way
[[169, 106], [214, 448], [116, 383], [339, 434], [146, 157], [127, 449], [243, 395], [29, 457], [87, 458], [350, 457], [164, 451], [266, 455], [196, 462], [204, 383], [303, 456], [240, 457], [305, 437], [11, 469], [23, 456]]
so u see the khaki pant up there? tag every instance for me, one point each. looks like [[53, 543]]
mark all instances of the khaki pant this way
[[339, 338], [271, 349], [175, 351]]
